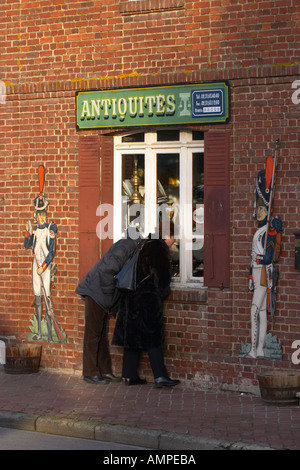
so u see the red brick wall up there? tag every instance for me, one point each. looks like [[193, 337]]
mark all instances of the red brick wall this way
[[51, 49]]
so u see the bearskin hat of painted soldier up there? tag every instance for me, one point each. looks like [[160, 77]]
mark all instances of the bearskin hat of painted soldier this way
[[261, 193], [40, 205]]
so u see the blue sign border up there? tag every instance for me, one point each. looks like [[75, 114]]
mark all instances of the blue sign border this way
[[209, 105]]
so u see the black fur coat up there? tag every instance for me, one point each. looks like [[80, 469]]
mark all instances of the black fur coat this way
[[139, 322]]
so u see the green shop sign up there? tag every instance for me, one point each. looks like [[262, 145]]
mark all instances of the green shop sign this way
[[197, 103]]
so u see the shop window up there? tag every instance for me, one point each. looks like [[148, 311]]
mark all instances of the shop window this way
[[161, 177], [186, 179]]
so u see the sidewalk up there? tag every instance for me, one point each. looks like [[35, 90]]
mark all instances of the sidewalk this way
[[169, 419]]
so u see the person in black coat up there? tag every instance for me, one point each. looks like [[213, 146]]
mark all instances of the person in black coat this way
[[101, 301], [139, 324]]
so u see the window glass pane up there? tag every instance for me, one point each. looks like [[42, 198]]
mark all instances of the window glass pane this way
[[168, 197], [138, 137], [198, 135], [167, 136], [133, 192], [198, 214]]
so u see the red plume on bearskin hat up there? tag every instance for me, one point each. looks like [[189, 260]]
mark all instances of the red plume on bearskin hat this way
[[269, 172], [40, 202]]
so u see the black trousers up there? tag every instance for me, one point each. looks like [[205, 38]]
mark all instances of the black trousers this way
[[96, 353], [131, 361]]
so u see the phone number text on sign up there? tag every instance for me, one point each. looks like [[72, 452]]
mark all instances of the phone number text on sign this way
[[209, 102]]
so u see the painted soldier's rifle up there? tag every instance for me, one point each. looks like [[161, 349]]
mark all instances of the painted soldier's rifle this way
[[49, 306]]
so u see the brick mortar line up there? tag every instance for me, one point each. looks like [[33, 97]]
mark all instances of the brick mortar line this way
[[233, 74]]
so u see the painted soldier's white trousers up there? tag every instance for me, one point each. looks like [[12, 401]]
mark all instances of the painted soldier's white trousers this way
[[258, 315], [37, 282], [41, 251]]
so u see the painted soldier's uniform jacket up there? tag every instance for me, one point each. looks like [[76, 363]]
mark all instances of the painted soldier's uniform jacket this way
[[42, 241], [258, 257]]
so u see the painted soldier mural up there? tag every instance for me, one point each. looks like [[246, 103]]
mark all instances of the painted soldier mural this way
[[41, 239], [266, 244]]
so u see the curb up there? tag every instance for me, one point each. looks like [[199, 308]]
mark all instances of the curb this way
[[128, 435]]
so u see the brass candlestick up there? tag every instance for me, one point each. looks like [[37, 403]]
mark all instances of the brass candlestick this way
[[136, 197]]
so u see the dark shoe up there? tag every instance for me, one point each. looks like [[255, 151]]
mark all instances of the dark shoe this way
[[165, 382], [111, 377], [95, 379], [137, 381]]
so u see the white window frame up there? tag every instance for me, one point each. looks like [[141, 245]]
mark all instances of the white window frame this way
[[185, 147]]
